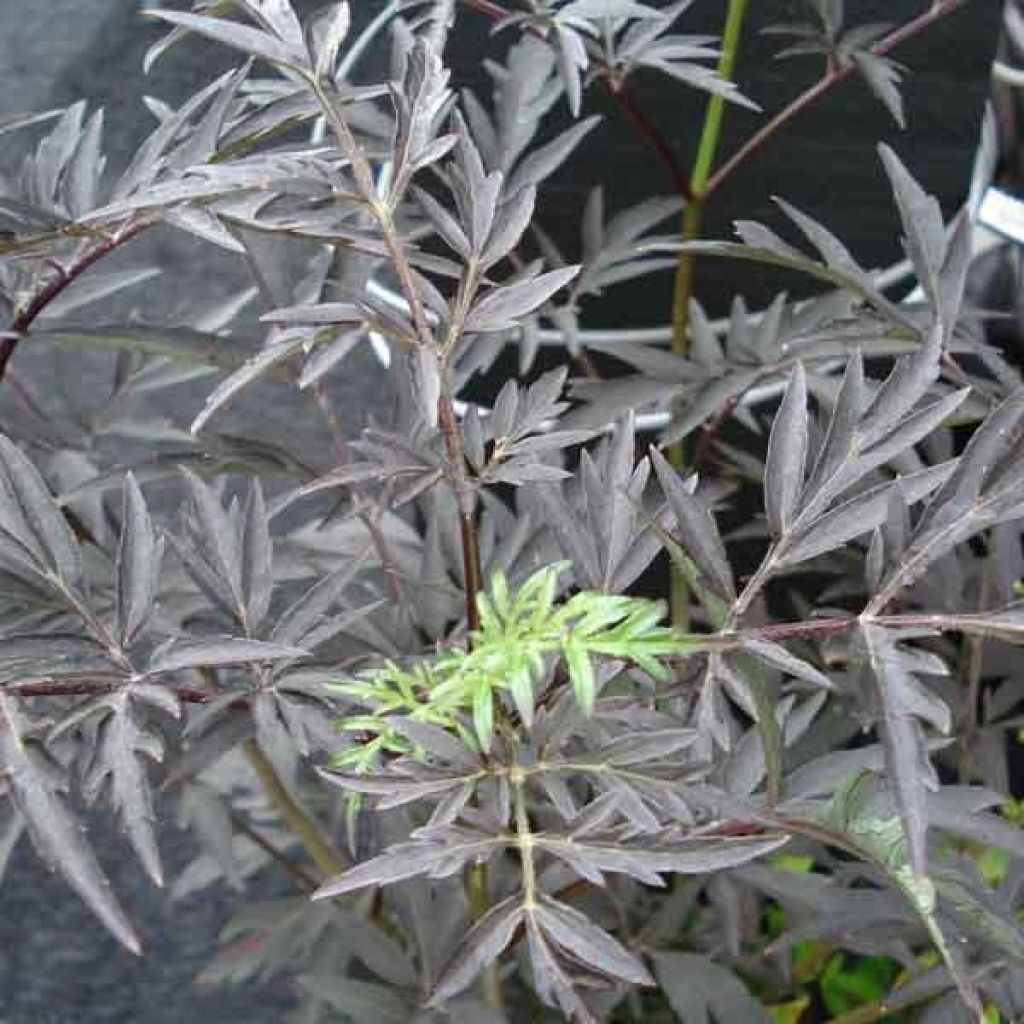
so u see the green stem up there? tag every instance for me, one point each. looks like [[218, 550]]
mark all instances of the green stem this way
[[524, 838], [701, 174], [479, 904], [716, 105], [301, 825], [693, 216]]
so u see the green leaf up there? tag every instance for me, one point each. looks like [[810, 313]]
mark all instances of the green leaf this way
[[581, 674]]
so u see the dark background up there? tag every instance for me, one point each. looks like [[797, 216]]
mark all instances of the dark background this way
[[57, 966], [824, 162]]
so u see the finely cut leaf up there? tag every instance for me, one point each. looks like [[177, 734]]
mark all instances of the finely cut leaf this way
[[356, 1000], [234, 34], [30, 515], [585, 941], [35, 783], [201, 653], [883, 78], [408, 860], [480, 946], [122, 745], [138, 563], [903, 740], [330, 31], [697, 530], [787, 455], [543, 162], [701, 991], [502, 308], [924, 230], [275, 353], [257, 557]]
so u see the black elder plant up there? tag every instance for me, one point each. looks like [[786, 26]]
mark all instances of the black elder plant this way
[[420, 670]]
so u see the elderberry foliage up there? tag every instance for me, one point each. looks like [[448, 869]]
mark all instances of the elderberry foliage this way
[[419, 669]]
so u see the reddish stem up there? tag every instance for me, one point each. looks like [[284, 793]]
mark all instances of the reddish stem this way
[[24, 320], [493, 11], [834, 76], [293, 867], [366, 516], [89, 688], [778, 631], [709, 431], [617, 91], [464, 503], [652, 133]]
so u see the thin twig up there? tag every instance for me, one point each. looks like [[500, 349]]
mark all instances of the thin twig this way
[[493, 11], [56, 286], [832, 78], [690, 229], [290, 864], [626, 102], [727, 639], [709, 431], [366, 516], [652, 133], [463, 496], [84, 688], [940, 622], [447, 420], [446, 417], [975, 650], [301, 825]]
